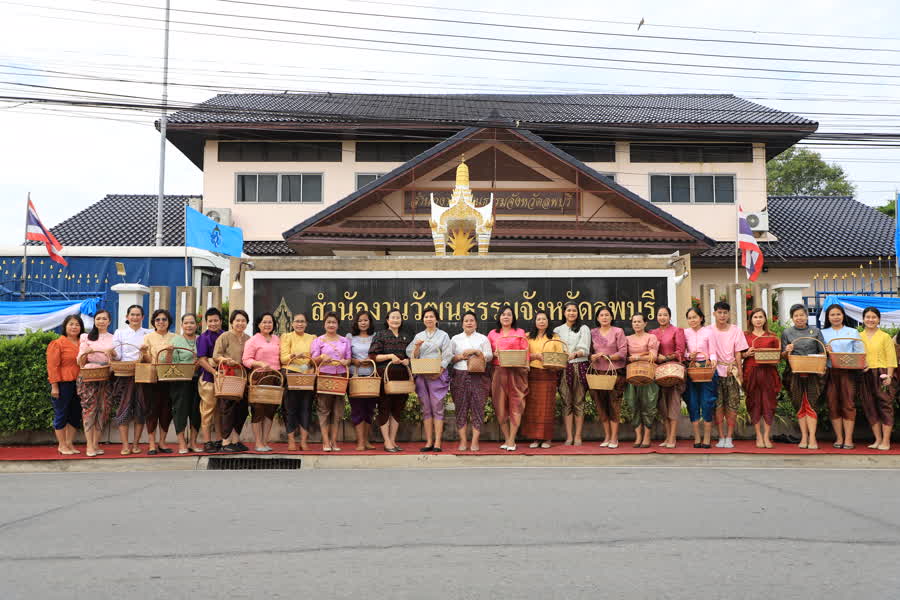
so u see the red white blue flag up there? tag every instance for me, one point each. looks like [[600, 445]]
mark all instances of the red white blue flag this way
[[35, 231], [751, 255]]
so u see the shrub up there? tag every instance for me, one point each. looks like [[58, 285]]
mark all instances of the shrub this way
[[24, 390]]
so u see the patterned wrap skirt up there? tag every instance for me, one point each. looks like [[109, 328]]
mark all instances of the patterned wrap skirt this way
[[96, 401], [540, 407]]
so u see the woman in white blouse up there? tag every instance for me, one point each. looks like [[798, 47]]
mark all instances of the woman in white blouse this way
[[573, 384], [469, 387], [128, 341]]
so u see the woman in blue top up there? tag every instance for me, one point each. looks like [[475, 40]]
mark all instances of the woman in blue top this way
[[840, 384]]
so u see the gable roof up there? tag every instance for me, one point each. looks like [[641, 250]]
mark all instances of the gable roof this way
[[464, 135], [124, 220], [609, 109], [818, 227]]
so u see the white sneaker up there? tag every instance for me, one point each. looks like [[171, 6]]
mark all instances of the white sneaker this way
[[503, 446], [728, 443], [721, 443]]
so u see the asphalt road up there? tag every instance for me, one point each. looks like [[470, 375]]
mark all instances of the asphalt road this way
[[454, 533]]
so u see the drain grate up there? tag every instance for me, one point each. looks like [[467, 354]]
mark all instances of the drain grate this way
[[250, 463]]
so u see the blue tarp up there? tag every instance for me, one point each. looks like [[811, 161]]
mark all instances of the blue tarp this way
[[855, 305]]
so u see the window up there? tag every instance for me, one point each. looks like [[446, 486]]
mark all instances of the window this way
[[280, 152], [709, 153], [364, 179], [609, 175], [589, 151], [389, 151], [699, 189], [305, 188]]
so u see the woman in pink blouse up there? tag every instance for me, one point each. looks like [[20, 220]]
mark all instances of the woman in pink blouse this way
[[642, 398], [609, 351], [330, 407], [701, 395], [263, 351], [671, 349], [95, 350], [509, 385]]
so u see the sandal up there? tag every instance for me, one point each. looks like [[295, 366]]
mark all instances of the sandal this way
[[545, 445], [838, 446], [849, 446]]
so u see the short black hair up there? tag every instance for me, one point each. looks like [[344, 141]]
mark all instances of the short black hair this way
[[432, 310], [698, 311], [721, 305], [237, 312], [127, 312], [600, 310], [212, 312], [77, 319], [797, 307], [387, 316], [466, 314], [158, 312], [665, 308], [188, 314], [354, 329], [503, 310]]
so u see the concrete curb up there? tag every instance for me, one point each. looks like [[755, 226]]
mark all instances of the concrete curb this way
[[450, 461]]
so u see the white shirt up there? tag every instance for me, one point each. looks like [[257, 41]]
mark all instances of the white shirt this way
[[461, 342], [576, 341], [127, 335]]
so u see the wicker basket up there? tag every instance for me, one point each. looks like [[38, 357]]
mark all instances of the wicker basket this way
[[640, 372], [398, 386], [766, 356], [94, 374], [229, 386], [266, 386], [123, 368], [366, 386], [476, 364], [173, 371], [426, 366], [555, 360], [698, 374], [300, 380], [602, 381], [326, 383], [847, 360], [813, 364], [145, 373], [669, 374]]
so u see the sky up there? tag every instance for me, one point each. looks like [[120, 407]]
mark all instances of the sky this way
[[817, 59]]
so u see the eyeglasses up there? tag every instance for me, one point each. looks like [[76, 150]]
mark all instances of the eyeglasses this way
[[161, 320]]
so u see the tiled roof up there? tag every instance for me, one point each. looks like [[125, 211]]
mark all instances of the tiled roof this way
[[634, 109], [815, 227], [124, 220], [268, 248]]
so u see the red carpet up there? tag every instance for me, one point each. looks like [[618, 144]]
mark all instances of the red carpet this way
[[490, 448]]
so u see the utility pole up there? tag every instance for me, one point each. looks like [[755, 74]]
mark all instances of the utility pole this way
[[160, 204]]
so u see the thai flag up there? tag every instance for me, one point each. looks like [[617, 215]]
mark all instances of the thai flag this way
[[35, 231], [751, 255]]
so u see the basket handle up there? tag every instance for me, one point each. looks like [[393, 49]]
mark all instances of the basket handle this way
[[388, 368], [120, 343], [374, 369], [555, 341], [753, 343], [693, 363], [845, 338], [220, 369], [609, 368], [172, 351], [263, 373], [346, 372], [809, 337]]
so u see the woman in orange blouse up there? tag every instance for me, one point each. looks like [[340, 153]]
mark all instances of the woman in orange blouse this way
[[62, 371]]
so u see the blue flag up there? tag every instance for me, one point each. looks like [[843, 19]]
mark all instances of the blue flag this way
[[202, 232]]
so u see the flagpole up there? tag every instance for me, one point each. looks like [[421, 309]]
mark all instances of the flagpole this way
[[162, 135], [737, 237], [25, 248]]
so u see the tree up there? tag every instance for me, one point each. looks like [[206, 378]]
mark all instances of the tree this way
[[888, 208], [803, 172]]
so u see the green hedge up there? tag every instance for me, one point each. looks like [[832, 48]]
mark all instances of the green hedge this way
[[24, 391]]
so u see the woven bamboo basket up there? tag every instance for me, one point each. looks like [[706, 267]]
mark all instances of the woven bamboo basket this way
[[229, 386], [813, 364], [300, 380], [398, 386], [326, 383], [173, 371], [266, 386], [766, 356], [555, 360], [640, 372], [145, 373], [602, 381], [94, 374], [848, 360], [426, 366], [476, 364], [123, 368], [669, 374], [513, 358], [701, 374], [366, 386]]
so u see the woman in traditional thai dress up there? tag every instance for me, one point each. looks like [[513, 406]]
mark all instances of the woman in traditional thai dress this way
[[432, 389], [761, 381], [95, 350], [469, 388], [509, 385], [538, 418], [573, 383], [841, 384], [263, 351], [700, 395], [362, 410], [388, 350], [157, 398], [804, 388], [296, 357], [610, 350], [642, 398], [875, 392], [671, 349]]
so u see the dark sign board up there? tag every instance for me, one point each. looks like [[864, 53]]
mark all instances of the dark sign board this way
[[506, 202], [453, 296]]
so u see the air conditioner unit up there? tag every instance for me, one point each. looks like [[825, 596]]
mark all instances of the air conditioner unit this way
[[196, 202], [758, 221], [219, 215]]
